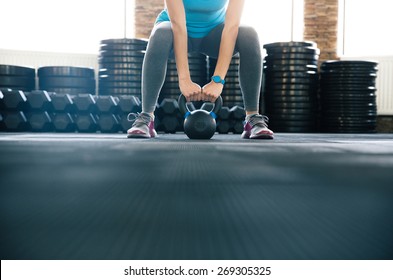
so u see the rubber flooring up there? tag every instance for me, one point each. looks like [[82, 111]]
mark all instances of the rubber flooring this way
[[99, 196]]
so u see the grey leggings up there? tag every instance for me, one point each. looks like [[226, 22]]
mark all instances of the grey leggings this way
[[160, 48]]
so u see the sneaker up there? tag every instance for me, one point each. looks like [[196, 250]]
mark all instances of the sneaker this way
[[255, 127], [143, 126]]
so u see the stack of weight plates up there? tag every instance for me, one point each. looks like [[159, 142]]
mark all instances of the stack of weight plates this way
[[198, 70], [348, 99], [17, 77], [232, 94], [120, 66], [67, 79], [290, 88]]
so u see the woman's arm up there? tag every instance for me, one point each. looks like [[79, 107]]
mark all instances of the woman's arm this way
[[212, 90], [177, 15]]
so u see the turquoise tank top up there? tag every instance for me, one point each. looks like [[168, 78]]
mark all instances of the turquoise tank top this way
[[201, 16]]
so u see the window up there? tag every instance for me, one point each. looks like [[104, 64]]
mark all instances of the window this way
[[364, 28], [77, 26], [74, 26]]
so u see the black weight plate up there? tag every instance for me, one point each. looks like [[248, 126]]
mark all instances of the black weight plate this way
[[371, 74], [325, 89], [122, 47], [106, 83], [312, 87], [24, 89], [290, 44], [231, 92], [348, 80], [308, 75], [232, 73], [290, 81], [275, 98], [21, 81], [133, 74], [307, 111], [191, 67], [275, 106], [127, 41], [349, 63], [68, 71], [296, 123], [119, 72], [120, 91], [229, 80], [120, 78], [283, 117], [301, 129], [343, 96], [69, 90], [291, 56], [282, 62], [232, 85], [116, 66], [12, 70], [291, 68], [118, 84], [305, 50], [350, 113], [348, 125], [349, 120], [120, 60], [110, 53], [174, 74], [348, 106], [169, 79], [66, 82]]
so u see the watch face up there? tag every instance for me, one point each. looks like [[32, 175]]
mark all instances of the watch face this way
[[216, 79]]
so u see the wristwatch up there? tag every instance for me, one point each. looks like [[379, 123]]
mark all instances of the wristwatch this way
[[217, 79]]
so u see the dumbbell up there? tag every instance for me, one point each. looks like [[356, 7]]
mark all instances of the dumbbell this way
[[224, 113], [169, 124], [168, 106], [223, 126], [85, 103], [40, 121], [237, 126], [63, 122], [63, 103], [13, 100], [86, 109], [15, 121], [237, 113], [108, 123], [39, 100], [128, 104], [106, 104], [86, 122]]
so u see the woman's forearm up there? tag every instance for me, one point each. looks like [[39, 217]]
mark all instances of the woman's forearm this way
[[180, 48], [227, 46]]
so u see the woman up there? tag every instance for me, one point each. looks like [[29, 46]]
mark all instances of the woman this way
[[210, 27]]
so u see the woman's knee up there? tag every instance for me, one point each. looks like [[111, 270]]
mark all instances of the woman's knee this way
[[247, 36], [162, 32]]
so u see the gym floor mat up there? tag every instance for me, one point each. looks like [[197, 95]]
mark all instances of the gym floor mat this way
[[102, 196]]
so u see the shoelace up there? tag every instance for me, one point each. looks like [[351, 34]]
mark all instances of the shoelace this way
[[260, 120], [138, 118]]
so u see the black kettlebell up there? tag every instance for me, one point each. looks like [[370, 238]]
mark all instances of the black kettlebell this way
[[199, 124]]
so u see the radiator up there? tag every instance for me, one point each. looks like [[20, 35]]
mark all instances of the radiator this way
[[384, 82]]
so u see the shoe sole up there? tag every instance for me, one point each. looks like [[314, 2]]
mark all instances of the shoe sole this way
[[262, 136]]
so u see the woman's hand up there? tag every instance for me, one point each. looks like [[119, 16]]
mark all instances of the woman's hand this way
[[211, 91], [190, 90]]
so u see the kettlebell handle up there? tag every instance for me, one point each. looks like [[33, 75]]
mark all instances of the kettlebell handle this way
[[185, 111]]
